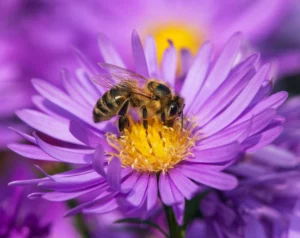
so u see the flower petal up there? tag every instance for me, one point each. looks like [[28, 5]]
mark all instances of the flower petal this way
[[64, 155], [31, 152], [98, 161], [254, 228], [196, 74], [239, 104], [138, 55], [207, 177], [114, 173], [221, 68], [276, 156], [139, 191], [224, 95], [184, 185], [152, 192], [165, 190], [51, 126], [58, 97], [264, 138], [151, 57], [216, 155], [169, 65], [85, 135], [108, 51]]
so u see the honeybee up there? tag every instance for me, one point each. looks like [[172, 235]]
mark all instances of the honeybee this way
[[128, 89]]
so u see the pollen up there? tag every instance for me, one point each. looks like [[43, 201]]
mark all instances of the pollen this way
[[157, 149]]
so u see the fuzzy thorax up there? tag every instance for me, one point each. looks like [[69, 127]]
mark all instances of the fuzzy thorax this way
[[157, 149]]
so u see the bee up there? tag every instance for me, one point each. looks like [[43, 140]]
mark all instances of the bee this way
[[128, 89]]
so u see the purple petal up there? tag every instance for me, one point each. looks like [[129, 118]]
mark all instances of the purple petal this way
[[179, 212], [75, 90], [254, 228], [51, 109], [104, 208], [196, 74], [139, 191], [195, 228], [31, 151], [85, 135], [152, 192], [64, 155], [151, 57], [89, 86], [102, 199], [169, 65], [184, 185], [58, 97], [216, 155], [98, 161], [260, 121], [265, 138], [224, 95], [239, 104], [210, 178], [248, 170], [294, 231], [186, 61], [114, 173], [86, 64], [48, 125], [165, 190], [276, 156], [108, 52], [222, 67], [25, 136], [228, 135], [138, 55], [273, 101], [129, 182], [64, 196]]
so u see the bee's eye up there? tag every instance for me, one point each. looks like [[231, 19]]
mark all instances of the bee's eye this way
[[173, 109]]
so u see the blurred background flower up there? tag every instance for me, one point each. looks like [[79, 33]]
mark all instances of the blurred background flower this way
[[22, 217]]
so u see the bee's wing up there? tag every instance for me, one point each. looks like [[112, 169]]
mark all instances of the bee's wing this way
[[122, 73], [124, 84], [104, 80]]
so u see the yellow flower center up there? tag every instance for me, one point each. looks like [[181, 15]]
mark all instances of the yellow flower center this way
[[182, 35], [159, 148]]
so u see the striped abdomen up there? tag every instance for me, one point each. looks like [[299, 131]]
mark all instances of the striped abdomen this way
[[109, 104]]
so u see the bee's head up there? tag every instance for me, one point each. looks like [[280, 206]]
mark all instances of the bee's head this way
[[175, 107]]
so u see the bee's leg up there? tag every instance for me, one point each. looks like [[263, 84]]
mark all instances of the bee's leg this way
[[163, 117], [124, 108], [145, 117], [182, 117], [181, 120], [123, 122]]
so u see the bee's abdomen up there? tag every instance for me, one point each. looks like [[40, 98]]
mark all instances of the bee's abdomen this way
[[109, 104]]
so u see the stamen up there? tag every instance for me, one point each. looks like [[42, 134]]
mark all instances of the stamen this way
[[158, 149]]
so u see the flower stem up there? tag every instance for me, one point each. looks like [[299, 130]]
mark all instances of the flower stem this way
[[175, 230]]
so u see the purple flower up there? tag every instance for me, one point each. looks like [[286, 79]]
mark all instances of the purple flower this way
[[227, 111], [21, 217], [261, 208]]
